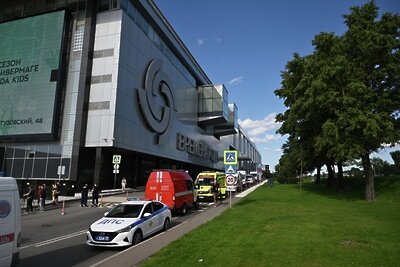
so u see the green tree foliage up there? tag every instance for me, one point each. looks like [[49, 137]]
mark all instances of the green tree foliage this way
[[343, 100], [396, 158]]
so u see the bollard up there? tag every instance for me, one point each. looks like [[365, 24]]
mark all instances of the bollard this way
[[127, 196], [63, 208], [101, 201]]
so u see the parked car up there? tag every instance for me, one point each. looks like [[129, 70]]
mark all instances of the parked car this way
[[129, 223], [242, 177], [249, 179], [256, 175]]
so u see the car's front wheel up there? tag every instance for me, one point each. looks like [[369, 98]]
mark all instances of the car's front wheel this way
[[137, 237]]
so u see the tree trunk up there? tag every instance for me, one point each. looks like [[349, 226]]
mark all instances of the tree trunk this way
[[331, 175], [318, 179], [369, 179], [340, 176]]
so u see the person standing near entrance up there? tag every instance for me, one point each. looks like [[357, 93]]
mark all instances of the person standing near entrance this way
[[123, 184], [29, 195]]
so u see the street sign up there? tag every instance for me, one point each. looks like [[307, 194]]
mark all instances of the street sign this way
[[259, 168], [116, 166], [115, 171], [230, 168], [116, 159], [230, 157], [231, 188], [230, 180]]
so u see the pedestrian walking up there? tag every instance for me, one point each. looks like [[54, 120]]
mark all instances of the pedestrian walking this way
[[84, 195], [43, 195], [215, 191], [123, 184], [29, 195], [38, 196], [55, 192], [95, 195]]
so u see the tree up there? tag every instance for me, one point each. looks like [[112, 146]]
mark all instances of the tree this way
[[343, 100], [371, 46]]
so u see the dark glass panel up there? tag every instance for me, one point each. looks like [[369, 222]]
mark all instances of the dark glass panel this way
[[19, 153], [18, 168], [52, 167], [39, 168], [28, 168]]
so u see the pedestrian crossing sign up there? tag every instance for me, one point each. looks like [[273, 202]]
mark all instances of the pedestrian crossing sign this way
[[116, 159], [230, 157], [230, 168]]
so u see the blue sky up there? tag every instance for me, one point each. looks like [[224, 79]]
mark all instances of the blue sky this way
[[246, 44]]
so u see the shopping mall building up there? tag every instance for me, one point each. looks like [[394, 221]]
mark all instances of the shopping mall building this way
[[84, 81]]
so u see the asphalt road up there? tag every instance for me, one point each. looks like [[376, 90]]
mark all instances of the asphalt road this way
[[51, 239]]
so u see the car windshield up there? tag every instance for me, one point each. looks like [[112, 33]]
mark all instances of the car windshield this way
[[125, 211], [205, 181]]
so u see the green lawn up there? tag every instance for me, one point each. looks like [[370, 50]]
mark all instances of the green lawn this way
[[281, 226]]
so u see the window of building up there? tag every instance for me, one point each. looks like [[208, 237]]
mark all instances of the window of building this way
[[78, 39]]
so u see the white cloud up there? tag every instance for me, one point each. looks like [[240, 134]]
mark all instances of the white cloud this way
[[218, 40], [261, 131], [268, 149], [265, 138], [200, 41], [236, 80]]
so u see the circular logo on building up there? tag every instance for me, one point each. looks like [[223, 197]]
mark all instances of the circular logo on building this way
[[5, 208], [156, 100]]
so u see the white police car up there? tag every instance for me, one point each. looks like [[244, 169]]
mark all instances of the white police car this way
[[128, 223]]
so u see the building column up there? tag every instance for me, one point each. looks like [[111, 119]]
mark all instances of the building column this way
[[84, 86], [97, 166]]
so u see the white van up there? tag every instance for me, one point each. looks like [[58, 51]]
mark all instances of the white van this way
[[10, 222]]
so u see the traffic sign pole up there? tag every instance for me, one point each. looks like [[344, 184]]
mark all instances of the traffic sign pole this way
[[115, 178], [116, 160], [230, 199]]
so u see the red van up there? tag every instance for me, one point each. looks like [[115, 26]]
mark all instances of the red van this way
[[172, 187]]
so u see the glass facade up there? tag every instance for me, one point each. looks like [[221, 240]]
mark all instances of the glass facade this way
[[151, 33], [38, 162]]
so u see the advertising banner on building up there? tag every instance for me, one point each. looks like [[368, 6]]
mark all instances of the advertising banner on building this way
[[30, 75]]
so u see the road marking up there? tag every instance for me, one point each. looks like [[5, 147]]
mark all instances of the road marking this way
[[54, 240]]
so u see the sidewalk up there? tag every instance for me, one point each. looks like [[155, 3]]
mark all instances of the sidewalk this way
[[118, 195]]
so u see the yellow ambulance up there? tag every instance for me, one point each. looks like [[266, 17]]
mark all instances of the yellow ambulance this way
[[204, 182]]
